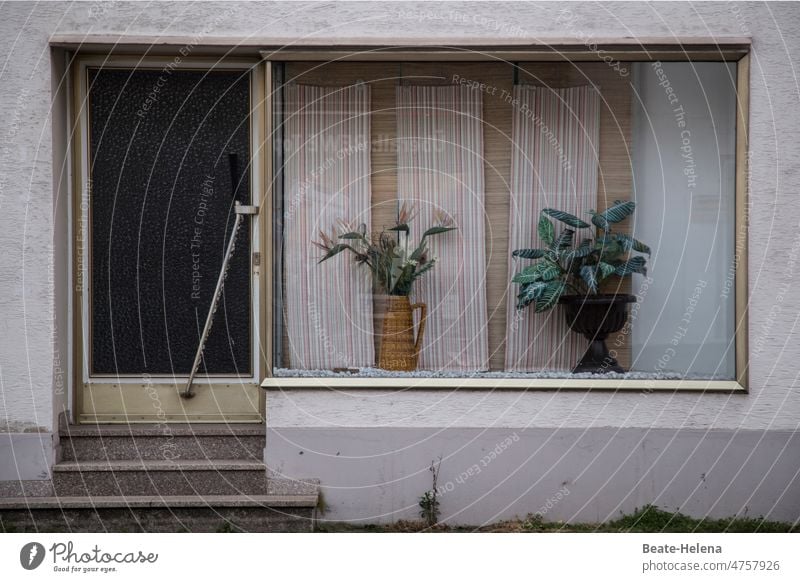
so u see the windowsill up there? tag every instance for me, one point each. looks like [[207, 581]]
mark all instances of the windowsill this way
[[571, 384]]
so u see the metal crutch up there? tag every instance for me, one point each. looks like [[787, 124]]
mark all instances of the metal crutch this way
[[241, 211]]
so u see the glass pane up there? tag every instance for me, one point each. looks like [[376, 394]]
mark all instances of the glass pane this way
[[684, 148], [660, 135], [161, 214]]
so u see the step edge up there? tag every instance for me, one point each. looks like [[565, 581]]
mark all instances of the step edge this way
[[124, 465], [158, 430], [147, 501]]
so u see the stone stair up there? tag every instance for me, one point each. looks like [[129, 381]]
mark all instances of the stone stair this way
[[161, 442], [164, 478], [159, 478]]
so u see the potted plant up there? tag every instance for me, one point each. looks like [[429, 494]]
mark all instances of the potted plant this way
[[571, 273], [395, 264]]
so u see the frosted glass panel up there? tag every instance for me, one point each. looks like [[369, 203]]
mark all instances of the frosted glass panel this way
[[162, 212], [683, 161]]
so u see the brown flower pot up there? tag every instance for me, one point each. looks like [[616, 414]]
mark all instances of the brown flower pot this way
[[595, 317], [398, 346]]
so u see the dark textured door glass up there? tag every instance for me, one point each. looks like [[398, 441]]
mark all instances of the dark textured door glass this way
[[161, 212]]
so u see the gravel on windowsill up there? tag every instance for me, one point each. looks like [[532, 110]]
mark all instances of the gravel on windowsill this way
[[540, 375]]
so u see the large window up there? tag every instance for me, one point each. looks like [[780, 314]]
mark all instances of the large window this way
[[484, 147]]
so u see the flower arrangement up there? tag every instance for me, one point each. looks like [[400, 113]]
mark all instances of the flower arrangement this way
[[394, 261]]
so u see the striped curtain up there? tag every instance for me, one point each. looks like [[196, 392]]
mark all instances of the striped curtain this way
[[440, 170], [554, 163], [328, 306]]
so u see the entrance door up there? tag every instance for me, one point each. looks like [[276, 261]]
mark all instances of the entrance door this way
[[168, 152]]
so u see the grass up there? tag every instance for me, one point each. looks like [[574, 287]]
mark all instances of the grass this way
[[648, 519]]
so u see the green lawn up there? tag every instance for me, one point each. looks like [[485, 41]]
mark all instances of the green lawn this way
[[649, 519]]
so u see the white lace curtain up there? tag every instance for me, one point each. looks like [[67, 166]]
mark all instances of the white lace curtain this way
[[555, 133], [440, 170], [328, 306]]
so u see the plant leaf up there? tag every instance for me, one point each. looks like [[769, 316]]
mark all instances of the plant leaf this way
[[526, 278], [396, 272], [566, 218], [530, 293], [549, 271], [419, 251], [564, 240], [584, 249], [544, 271], [629, 243], [546, 230], [335, 250], [589, 277], [424, 269], [605, 270], [600, 221], [632, 265], [437, 230], [352, 236], [550, 295], [619, 211], [527, 275], [399, 228], [529, 253], [609, 248]]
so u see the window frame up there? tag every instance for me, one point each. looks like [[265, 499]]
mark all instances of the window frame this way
[[737, 51]]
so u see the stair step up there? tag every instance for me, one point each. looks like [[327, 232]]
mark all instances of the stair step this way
[[161, 429], [138, 465], [258, 513], [110, 501], [163, 477], [160, 478], [162, 442], [280, 485]]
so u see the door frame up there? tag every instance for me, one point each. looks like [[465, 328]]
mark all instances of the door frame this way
[[219, 398]]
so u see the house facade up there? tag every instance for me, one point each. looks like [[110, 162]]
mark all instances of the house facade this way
[[147, 149]]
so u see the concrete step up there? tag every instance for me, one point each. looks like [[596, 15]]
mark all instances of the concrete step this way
[[170, 442], [159, 478], [277, 484], [175, 513]]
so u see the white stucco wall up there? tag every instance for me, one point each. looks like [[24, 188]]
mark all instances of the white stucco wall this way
[[28, 288]]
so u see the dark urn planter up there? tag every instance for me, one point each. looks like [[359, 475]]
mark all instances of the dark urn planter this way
[[597, 316]]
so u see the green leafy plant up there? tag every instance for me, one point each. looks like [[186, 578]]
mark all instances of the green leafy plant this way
[[429, 501], [430, 507], [567, 266], [394, 261]]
